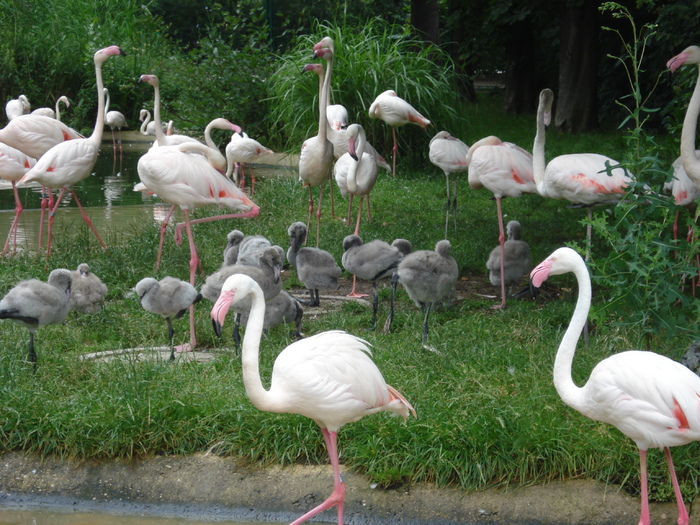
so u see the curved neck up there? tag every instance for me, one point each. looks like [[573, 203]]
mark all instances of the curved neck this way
[[250, 357], [160, 136], [106, 92], [351, 180], [563, 382], [323, 103], [100, 122], [690, 160], [144, 124], [538, 162]]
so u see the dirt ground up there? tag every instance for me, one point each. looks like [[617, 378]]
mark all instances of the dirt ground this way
[[210, 487]]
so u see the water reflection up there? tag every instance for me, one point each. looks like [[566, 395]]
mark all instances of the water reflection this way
[[107, 196]]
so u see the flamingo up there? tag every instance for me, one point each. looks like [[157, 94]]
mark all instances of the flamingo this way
[[87, 291], [691, 162], [356, 172], [148, 126], [505, 170], [114, 119], [33, 303], [650, 398], [48, 112], [69, 162], [516, 253], [13, 166], [395, 111], [16, 107], [316, 158], [329, 377], [585, 179], [243, 150], [337, 116], [450, 155]]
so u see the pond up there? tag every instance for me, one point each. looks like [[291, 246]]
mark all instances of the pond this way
[[107, 196]]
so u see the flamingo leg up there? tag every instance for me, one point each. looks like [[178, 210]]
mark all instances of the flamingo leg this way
[[121, 151], [87, 219], [369, 211], [501, 241], [394, 150], [454, 203], [347, 221], [114, 146], [46, 200], [644, 518], [13, 228], [359, 216], [589, 234], [179, 226], [390, 319], [194, 261], [428, 307], [682, 512], [375, 305], [318, 215], [311, 210], [337, 497], [163, 227], [332, 201], [447, 206]]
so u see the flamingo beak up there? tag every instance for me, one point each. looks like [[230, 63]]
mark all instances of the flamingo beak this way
[[541, 272], [351, 148], [220, 309], [677, 61]]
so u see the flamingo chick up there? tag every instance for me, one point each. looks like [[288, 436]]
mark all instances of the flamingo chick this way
[[516, 254], [88, 292]]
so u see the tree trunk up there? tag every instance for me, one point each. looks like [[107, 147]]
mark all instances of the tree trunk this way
[[425, 18], [577, 105], [520, 78]]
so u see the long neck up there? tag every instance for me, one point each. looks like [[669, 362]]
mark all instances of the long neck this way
[[207, 135], [251, 352], [352, 181], [323, 103], [538, 162], [563, 382], [100, 122], [144, 124], [690, 160], [160, 136], [106, 92]]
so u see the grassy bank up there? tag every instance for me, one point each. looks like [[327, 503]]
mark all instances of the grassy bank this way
[[488, 413]]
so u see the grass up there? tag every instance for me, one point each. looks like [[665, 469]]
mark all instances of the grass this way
[[488, 414]]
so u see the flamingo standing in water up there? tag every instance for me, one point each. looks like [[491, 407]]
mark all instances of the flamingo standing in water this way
[[67, 163], [13, 166], [329, 377], [648, 397], [115, 120], [395, 111], [181, 177], [505, 170], [450, 155], [585, 179], [316, 158]]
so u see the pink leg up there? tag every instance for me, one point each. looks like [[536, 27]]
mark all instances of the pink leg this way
[[13, 228], [194, 261], [178, 227], [337, 497], [353, 293], [682, 512], [369, 211], [644, 518], [318, 215], [163, 227], [121, 151], [311, 210], [87, 220], [394, 150], [349, 209], [114, 146], [332, 202], [501, 241], [359, 216]]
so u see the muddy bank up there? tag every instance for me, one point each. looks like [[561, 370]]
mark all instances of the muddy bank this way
[[210, 487]]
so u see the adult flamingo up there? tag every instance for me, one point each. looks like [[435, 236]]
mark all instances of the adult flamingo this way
[[53, 113], [329, 377], [505, 170], [450, 155], [242, 150], [189, 175], [13, 166], [67, 163], [691, 163], [17, 106], [648, 397], [585, 179], [356, 172], [316, 158], [115, 120], [396, 112]]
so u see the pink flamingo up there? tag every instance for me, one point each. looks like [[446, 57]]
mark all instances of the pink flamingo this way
[[450, 155], [115, 120], [189, 175], [329, 377], [505, 170], [243, 150], [648, 397], [316, 158], [585, 179], [13, 166], [691, 162], [396, 112], [69, 162]]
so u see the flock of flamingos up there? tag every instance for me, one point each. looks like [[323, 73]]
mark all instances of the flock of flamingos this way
[[330, 377]]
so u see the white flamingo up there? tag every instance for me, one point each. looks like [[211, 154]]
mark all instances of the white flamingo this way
[[450, 155]]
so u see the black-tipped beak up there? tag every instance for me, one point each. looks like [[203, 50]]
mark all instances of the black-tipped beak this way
[[217, 327]]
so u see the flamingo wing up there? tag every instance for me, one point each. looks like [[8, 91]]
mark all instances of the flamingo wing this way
[[64, 164], [506, 170], [449, 154], [13, 163]]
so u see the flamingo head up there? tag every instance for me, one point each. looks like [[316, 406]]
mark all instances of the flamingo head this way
[[103, 54], [559, 262], [151, 79], [324, 53], [236, 288], [546, 101], [352, 133], [690, 55], [325, 43], [316, 68]]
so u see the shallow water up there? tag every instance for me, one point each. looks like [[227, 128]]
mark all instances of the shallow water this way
[[107, 197]]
